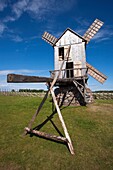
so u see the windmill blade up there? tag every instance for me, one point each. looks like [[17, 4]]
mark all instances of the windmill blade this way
[[49, 38], [96, 74], [93, 29]]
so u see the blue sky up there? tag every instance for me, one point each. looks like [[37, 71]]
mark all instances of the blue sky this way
[[22, 23]]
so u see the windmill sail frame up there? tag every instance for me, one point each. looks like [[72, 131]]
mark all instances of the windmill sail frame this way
[[49, 38], [93, 29], [95, 73]]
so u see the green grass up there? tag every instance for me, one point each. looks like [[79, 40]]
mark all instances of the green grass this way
[[90, 128]]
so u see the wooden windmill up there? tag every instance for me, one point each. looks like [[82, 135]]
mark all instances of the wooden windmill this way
[[75, 68], [70, 74]]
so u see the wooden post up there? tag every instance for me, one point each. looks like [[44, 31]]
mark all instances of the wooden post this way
[[84, 90]]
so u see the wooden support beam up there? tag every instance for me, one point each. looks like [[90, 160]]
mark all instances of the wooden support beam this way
[[38, 110], [84, 90], [16, 78], [46, 135], [79, 89], [63, 123]]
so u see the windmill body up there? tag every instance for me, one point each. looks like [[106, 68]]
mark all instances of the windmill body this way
[[76, 59]]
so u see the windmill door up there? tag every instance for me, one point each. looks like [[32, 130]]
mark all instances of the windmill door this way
[[69, 69]]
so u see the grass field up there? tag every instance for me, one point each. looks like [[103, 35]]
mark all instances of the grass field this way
[[90, 128]]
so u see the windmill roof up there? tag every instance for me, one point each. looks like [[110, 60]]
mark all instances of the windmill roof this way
[[72, 32]]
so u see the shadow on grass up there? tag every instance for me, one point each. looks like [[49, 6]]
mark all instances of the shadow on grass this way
[[49, 118]]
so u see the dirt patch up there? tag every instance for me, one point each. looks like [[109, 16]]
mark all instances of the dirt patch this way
[[108, 108]]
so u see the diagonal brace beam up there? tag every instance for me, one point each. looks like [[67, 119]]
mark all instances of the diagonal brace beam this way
[[63, 123]]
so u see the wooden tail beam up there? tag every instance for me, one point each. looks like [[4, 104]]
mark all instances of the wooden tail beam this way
[[17, 78]]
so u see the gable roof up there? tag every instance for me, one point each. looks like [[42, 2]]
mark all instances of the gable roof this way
[[68, 29]]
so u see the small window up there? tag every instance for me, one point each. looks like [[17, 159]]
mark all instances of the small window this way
[[61, 53]]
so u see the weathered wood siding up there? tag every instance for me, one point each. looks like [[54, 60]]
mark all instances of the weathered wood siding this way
[[77, 52]]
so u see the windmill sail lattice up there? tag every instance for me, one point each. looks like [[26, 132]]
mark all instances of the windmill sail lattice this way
[[49, 38], [95, 73], [93, 29]]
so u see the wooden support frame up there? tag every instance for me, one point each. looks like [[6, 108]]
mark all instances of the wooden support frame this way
[[65, 139]]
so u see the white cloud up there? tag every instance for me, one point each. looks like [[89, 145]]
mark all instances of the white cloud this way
[[37, 9], [3, 5], [17, 38], [10, 34], [82, 22], [21, 71], [19, 7], [41, 8], [80, 31], [103, 34], [9, 19], [2, 28]]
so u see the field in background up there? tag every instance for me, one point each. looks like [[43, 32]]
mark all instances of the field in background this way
[[105, 95], [90, 128]]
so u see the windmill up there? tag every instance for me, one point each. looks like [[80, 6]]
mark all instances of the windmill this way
[[75, 67], [70, 75]]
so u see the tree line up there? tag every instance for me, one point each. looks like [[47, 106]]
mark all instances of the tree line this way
[[103, 91], [30, 90]]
